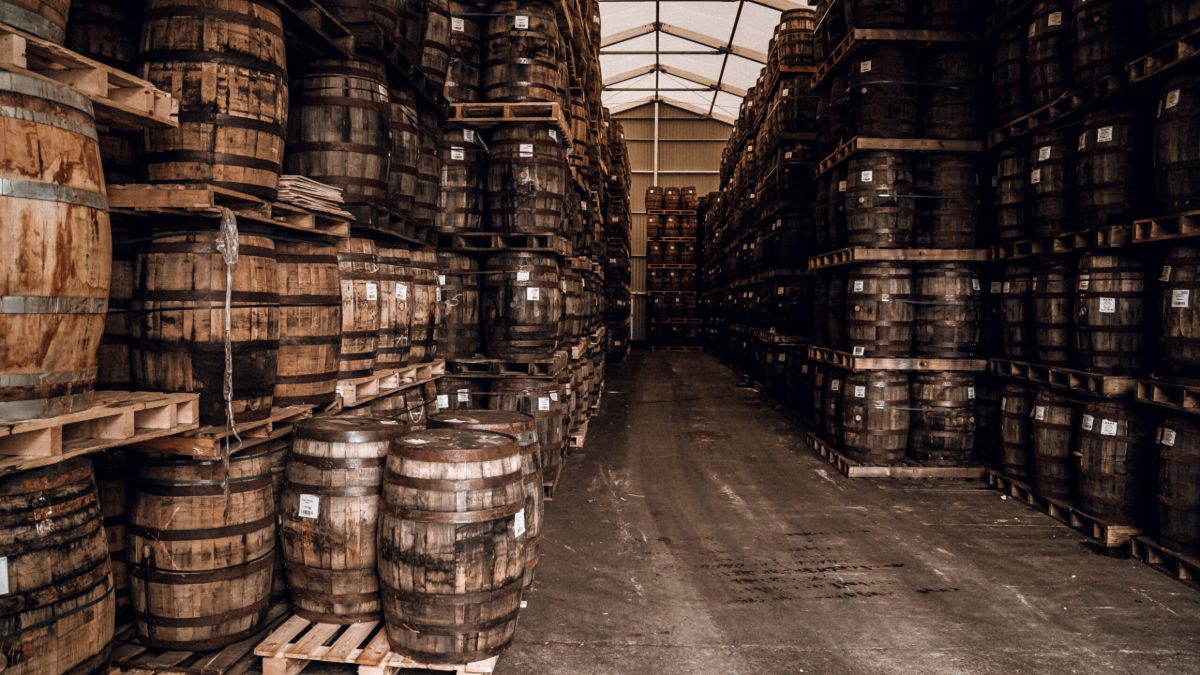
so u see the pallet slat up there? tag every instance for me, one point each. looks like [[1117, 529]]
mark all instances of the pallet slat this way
[[1105, 534], [1079, 381], [356, 392], [909, 470], [853, 363], [1182, 567]]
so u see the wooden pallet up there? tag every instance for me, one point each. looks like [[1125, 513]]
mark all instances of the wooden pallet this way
[[1167, 228], [1103, 533], [488, 242], [505, 368], [114, 418], [671, 266], [209, 442], [769, 336], [129, 657], [120, 100], [858, 254], [863, 143], [1057, 110], [1181, 397], [298, 642], [310, 27], [670, 212], [675, 348], [491, 114], [209, 201], [1166, 57], [1183, 567], [1079, 381], [1112, 236], [907, 470], [854, 363], [360, 390], [856, 37], [578, 436], [550, 483]]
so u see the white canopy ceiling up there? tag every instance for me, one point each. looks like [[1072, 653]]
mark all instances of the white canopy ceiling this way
[[701, 55]]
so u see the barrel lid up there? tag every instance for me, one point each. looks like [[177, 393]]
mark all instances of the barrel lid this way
[[44, 89], [452, 418], [364, 429], [454, 440]]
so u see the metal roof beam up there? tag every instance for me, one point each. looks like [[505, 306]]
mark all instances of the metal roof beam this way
[[630, 74], [705, 82], [713, 43]]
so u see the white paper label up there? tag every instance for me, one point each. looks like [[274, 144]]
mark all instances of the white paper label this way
[[1039, 413], [1007, 287], [372, 291], [1035, 176], [971, 393], [526, 149], [779, 291], [1104, 135], [1055, 19], [522, 275], [1108, 305], [533, 293], [1167, 435], [996, 286], [1173, 98], [457, 24], [1084, 283], [3, 575], [858, 351], [1044, 153], [860, 391], [1088, 422], [553, 133], [1082, 141], [521, 21], [441, 280], [439, 293], [310, 506], [841, 186], [975, 284], [864, 67], [457, 154], [867, 176], [543, 403], [1180, 298], [519, 523], [554, 396], [835, 385], [1108, 428], [402, 291], [1166, 273], [443, 401], [858, 285], [469, 135], [464, 395]]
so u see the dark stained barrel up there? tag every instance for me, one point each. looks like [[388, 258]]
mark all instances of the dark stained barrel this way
[[464, 80], [819, 377], [574, 313], [224, 62], [949, 14], [426, 306], [1109, 170], [1177, 483], [460, 305], [1111, 306], [339, 131], [1052, 314], [202, 548], [1179, 298], [947, 207], [429, 172], [1055, 420], [879, 310], [464, 173], [882, 96], [46, 19], [544, 400], [949, 93], [833, 407], [358, 269], [112, 478], [452, 536], [59, 611], [1052, 182], [461, 392], [406, 151], [878, 13], [310, 323], [654, 198], [1017, 312], [1170, 18], [880, 200], [1009, 74], [671, 199], [794, 39], [115, 368], [1049, 51], [55, 228], [435, 52], [329, 514], [1176, 150], [1102, 31], [1115, 463], [988, 393], [947, 310], [522, 306], [384, 22], [527, 179], [395, 309], [179, 326], [277, 451], [875, 416], [942, 422], [1016, 432], [1011, 196], [522, 53]]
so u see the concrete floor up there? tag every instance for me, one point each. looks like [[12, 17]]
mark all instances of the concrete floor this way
[[696, 534]]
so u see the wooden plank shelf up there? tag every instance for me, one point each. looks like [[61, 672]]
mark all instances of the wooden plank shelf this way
[[1183, 567], [1170, 227], [489, 242], [129, 657], [505, 368], [1112, 236], [1101, 532], [1057, 110], [114, 418], [907, 470], [120, 100], [857, 37], [490, 114], [855, 363], [676, 348], [858, 254], [670, 212], [297, 643], [671, 266], [1179, 397], [1079, 381], [386, 224], [864, 143], [355, 392], [310, 27], [210, 442], [1166, 58]]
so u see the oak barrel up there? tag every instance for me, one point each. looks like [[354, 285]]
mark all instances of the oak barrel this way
[[833, 408], [1052, 314], [881, 90], [179, 328], [112, 477], [947, 297], [452, 544], [460, 305], [59, 607], [942, 420], [527, 179], [1176, 150], [329, 514], [427, 298], [1055, 420], [1017, 312], [201, 546], [1114, 462], [429, 172], [1010, 74], [875, 416], [1052, 183], [435, 51], [464, 174], [949, 93], [1109, 171], [949, 14], [395, 309], [383, 23], [46, 19], [522, 52], [457, 393], [880, 200], [1016, 432], [878, 13], [358, 270], [1010, 201], [114, 365], [947, 204], [224, 62], [522, 305], [310, 323], [1111, 307], [1177, 483], [464, 80], [879, 310], [1179, 298], [1102, 37], [406, 150], [1171, 18], [836, 312], [544, 399], [1049, 51]]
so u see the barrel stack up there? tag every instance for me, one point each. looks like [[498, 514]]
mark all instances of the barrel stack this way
[[672, 270]]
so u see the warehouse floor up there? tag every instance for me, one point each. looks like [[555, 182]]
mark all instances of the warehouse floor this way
[[696, 534]]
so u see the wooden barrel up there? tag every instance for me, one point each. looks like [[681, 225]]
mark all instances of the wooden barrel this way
[[1109, 168], [1017, 312], [544, 399], [179, 330], [223, 61], [523, 428], [1055, 419], [429, 173], [452, 538], [1052, 182], [575, 313], [835, 308], [54, 221], [457, 393], [879, 310], [881, 90], [794, 37], [949, 14], [114, 364], [435, 51], [1177, 483], [878, 13], [875, 416], [527, 179], [1111, 310], [816, 385], [386, 21], [358, 269], [1016, 432], [464, 174], [406, 150], [1176, 156], [671, 199], [460, 305], [522, 53], [329, 514], [59, 603], [654, 198], [1010, 202], [112, 475], [464, 80], [947, 207], [46, 19], [522, 305], [410, 408], [1049, 51], [1052, 314], [339, 131], [105, 30], [310, 323], [277, 453], [198, 530], [942, 422], [1170, 18], [949, 93], [395, 309], [427, 296], [832, 413], [1179, 297], [880, 200], [988, 393], [1009, 74], [1101, 38], [1114, 462], [947, 310]]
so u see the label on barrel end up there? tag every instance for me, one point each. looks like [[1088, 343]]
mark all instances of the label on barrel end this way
[[469, 135], [841, 186], [310, 506], [522, 275], [1055, 19], [1172, 98], [464, 395], [553, 133], [865, 66], [1083, 141], [4, 575], [1104, 135], [1006, 287], [1044, 152], [402, 291], [457, 24], [1108, 427], [554, 396], [1088, 422], [1108, 305], [867, 176], [1165, 436], [858, 286], [543, 403], [443, 401], [860, 391], [526, 150], [519, 523], [1084, 282], [1166, 273], [441, 280], [372, 291], [1035, 176], [858, 351], [1180, 298], [971, 393], [975, 284], [996, 287], [835, 385], [521, 21], [1039, 413], [457, 154], [533, 293]]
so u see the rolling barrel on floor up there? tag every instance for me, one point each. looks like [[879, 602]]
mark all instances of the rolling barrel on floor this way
[[310, 323], [875, 416]]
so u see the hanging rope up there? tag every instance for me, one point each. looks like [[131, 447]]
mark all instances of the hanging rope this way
[[227, 246]]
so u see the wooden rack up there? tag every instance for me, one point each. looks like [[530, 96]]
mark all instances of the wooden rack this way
[[1101, 531], [209, 442], [355, 392], [907, 469], [1079, 381], [858, 254], [863, 143], [857, 37], [853, 363], [487, 115], [1057, 110]]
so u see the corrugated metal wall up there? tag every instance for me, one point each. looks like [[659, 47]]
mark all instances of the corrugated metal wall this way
[[689, 153]]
